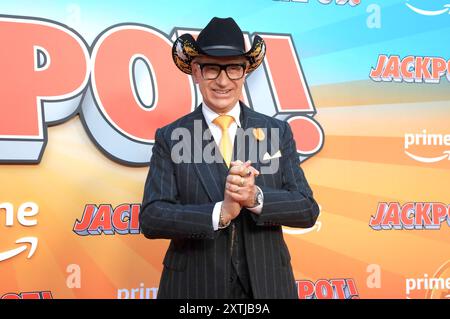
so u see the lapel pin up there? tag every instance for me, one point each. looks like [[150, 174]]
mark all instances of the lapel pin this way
[[259, 134]]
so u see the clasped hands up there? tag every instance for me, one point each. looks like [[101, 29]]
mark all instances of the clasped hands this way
[[240, 189]]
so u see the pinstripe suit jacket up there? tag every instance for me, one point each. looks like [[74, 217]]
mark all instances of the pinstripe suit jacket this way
[[178, 203]]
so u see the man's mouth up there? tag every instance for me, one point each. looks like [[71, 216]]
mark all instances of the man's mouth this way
[[221, 91]]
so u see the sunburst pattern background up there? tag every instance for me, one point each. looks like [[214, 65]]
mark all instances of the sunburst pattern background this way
[[361, 164]]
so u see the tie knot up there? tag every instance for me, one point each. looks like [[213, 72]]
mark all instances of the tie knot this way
[[223, 121]]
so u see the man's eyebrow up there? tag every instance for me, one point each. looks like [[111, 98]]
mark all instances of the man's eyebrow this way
[[220, 62]]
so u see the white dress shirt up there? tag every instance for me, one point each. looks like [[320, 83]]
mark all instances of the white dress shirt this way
[[216, 132]]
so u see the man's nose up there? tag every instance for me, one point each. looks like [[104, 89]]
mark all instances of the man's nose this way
[[222, 79]]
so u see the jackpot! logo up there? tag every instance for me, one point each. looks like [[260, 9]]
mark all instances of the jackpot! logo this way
[[413, 215], [28, 295], [327, 289], [410, 69], [338, 2], [124, 219], [124, 86]]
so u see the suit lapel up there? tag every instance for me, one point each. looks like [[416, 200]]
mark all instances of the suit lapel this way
[[248, 146], [212, 181]]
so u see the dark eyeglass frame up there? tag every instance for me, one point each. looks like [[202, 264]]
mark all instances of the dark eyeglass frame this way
[[224, 68]]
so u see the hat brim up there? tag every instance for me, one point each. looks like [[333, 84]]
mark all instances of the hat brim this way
[[185, 49]]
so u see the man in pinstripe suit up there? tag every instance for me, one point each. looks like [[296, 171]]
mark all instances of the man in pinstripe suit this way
[[224, 217]]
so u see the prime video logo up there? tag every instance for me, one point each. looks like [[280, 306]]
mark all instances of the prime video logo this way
[[427, 139], [141, 292], [435, 11], [428, 284]]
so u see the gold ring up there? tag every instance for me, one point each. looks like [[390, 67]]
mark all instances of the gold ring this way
[[242, 182], [248, 172]]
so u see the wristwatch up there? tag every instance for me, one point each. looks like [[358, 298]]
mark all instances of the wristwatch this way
[[258, 198]]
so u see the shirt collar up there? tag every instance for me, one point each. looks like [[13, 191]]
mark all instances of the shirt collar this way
[[210, 115]]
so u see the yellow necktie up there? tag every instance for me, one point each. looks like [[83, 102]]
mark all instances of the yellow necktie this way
[[226, 149]]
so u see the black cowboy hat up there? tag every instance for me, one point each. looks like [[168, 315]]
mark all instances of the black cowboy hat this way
[[220, 38]]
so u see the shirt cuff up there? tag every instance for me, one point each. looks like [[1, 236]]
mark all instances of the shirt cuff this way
[[257, 209], [216, 215]]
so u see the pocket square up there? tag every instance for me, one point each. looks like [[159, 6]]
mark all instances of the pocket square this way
[[267, 157]]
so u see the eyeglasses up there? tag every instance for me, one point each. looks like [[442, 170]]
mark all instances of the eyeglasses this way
[[211, 71]]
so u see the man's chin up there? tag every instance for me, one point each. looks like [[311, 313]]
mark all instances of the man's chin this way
[[221, 105]]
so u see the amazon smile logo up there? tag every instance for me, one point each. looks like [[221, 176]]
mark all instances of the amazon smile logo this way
[[445, 9], [24, 212], [426, 147], [14, 252]]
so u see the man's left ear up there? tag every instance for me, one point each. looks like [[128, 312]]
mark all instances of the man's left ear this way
[[246, 68]]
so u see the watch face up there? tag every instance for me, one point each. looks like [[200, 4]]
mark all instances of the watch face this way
[[259, 198]]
